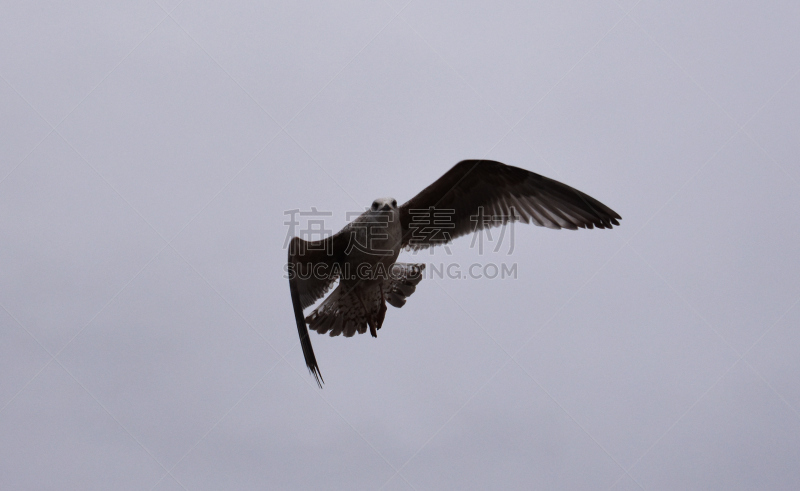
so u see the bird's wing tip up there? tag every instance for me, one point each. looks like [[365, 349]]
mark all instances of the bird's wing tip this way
[[314, 371]]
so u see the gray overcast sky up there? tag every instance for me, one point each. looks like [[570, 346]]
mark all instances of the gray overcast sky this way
[[149, 150]]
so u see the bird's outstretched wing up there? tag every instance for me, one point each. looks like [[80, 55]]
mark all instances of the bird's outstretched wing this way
[[477, 194], [311, 273]]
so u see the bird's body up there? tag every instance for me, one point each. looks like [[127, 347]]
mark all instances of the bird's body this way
[[376, 235], [367, 273], [473, 195]]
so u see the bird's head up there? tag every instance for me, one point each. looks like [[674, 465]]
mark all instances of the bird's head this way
[[384, 204]]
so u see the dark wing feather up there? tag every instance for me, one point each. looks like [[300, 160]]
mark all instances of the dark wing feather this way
[[306, 287], [472, 187], [302, 331]]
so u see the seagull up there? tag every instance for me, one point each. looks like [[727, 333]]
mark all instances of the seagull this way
[[471, 196]]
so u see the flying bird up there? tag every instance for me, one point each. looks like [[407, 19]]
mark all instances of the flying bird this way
[[473, 195]]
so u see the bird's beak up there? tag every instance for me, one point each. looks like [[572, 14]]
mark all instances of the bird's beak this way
[[386, 207]]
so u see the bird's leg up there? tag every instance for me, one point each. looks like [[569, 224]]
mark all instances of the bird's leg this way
[[367, 315]]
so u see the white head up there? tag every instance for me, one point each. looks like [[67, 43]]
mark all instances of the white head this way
[[384, 204]]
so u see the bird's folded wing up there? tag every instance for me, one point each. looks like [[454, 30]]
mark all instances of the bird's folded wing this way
[[477, 194]]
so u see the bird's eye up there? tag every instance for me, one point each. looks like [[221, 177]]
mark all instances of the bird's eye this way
[[394, 203], [374, 206]]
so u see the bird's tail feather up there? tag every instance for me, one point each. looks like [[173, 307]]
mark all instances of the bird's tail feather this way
[[351, 308]]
